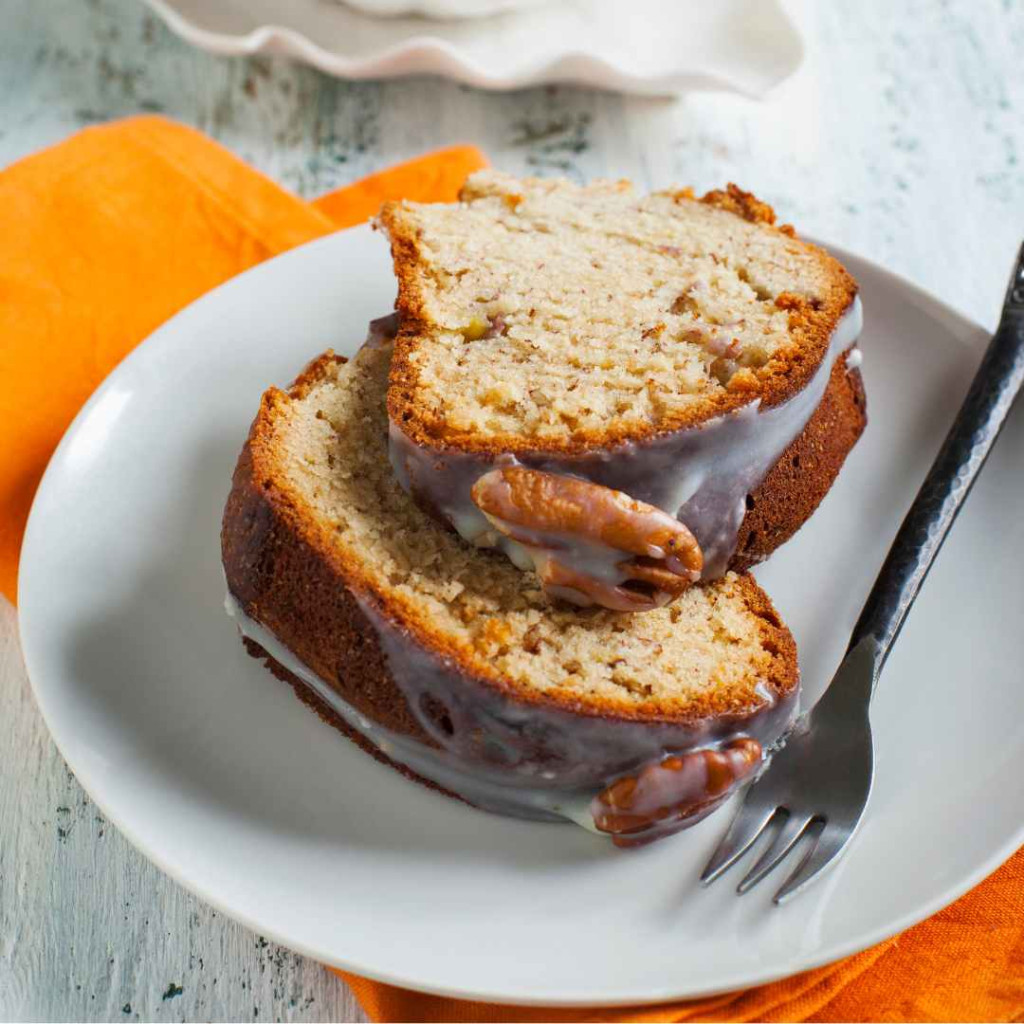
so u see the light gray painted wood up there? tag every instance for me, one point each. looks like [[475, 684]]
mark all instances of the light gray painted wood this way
[[900, 138], [90, 930]]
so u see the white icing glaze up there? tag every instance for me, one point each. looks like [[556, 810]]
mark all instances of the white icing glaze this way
[[854, 358], [701, 475], [433, 764], [381, 331], [503, 755]]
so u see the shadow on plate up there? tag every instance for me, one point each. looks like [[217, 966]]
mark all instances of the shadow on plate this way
[[213, 726]]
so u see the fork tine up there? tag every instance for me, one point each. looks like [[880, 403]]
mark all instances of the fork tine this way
[[784, 842], [748, 824], [830, 844]]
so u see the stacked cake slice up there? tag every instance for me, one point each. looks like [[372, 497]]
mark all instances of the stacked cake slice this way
[[499, 549]]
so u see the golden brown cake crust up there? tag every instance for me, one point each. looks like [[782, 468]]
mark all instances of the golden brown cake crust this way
[[282, 579], [286, 573], [776, 382], [805, 472]]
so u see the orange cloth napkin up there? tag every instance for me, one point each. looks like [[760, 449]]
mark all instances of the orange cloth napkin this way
[[114, 230], [111, 232]]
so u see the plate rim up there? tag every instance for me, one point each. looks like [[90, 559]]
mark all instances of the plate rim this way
[[665, 993]]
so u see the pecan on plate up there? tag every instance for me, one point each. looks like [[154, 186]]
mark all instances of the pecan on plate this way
[[591, 544]]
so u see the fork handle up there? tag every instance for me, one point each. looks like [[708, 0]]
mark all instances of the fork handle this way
[[950, 478]]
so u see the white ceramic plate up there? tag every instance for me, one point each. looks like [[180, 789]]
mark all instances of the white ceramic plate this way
[[218, 774], [653, 47]]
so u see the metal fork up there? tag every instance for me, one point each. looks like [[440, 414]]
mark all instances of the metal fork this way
[[819, 782]]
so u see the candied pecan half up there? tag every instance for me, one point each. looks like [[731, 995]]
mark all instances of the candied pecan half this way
[[591, 544]]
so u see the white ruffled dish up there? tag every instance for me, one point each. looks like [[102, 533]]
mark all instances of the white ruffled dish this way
[[436, 8], [651, 47]]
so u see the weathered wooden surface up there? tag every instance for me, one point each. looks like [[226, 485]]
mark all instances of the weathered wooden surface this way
[[901, 138]]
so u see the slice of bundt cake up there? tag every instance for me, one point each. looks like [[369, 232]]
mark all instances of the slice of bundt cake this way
[[451, 665], [669, 348]]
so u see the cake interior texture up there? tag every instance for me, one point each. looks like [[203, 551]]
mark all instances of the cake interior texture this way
[[714, 650], [538, 309]]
